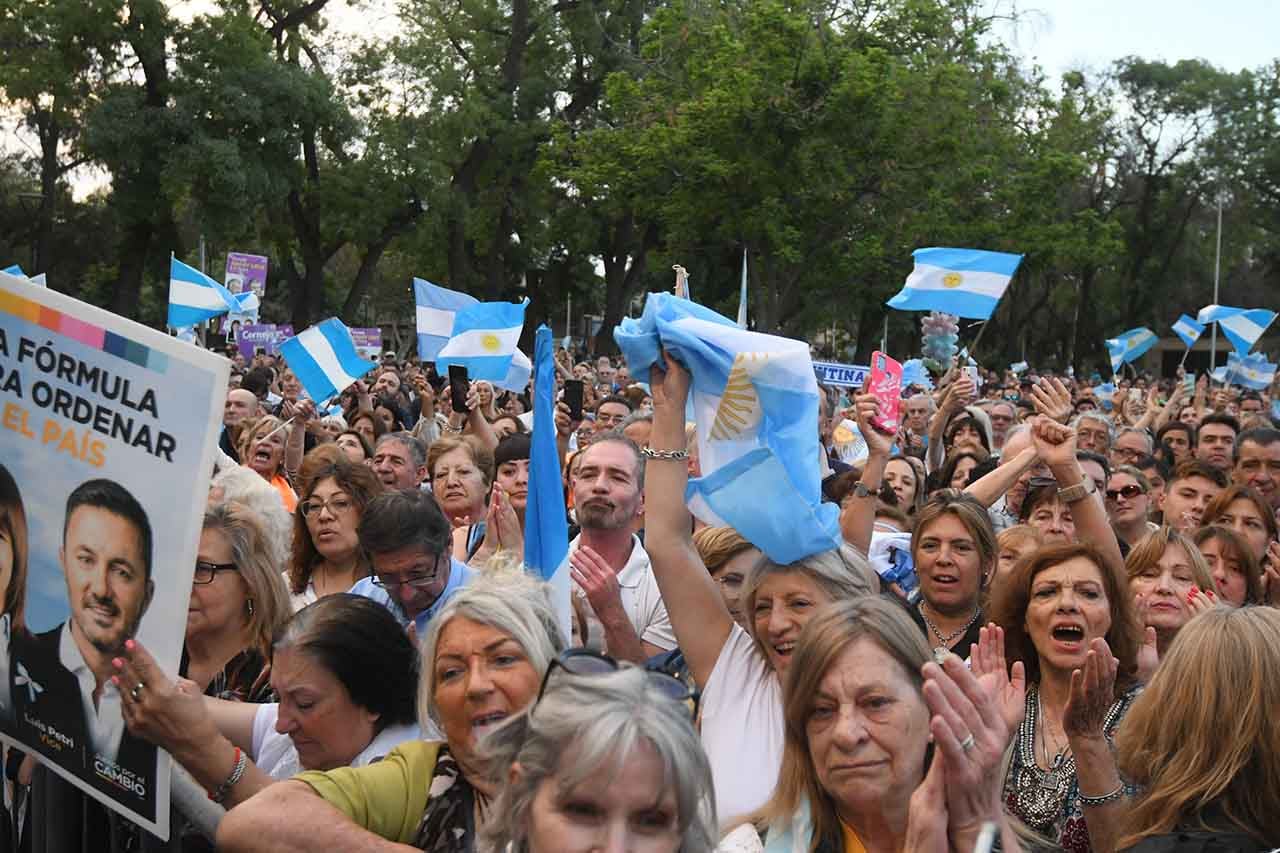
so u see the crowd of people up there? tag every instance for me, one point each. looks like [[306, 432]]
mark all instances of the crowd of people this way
[[1050, 624]]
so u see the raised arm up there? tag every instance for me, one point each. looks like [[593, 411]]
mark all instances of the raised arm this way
[[1056, 445], [858, 515], [995, 483], [476, 423], [698, 614], [296, 445]]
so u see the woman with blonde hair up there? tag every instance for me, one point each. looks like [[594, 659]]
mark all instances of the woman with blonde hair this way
[[263, 449], [1203, 741], [1170, 583], [729, 558], [953, 549]]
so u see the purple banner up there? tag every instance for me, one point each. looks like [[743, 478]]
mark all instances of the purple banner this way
[[244, 273], [265, 336], [368, 342]]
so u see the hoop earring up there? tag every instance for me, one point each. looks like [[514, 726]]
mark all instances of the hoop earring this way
[[249, 603]]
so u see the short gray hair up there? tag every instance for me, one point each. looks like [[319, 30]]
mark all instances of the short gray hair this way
[[585, 723], [843, 573], [416, 448], [245, 486], [1101, 418], [1146, 436], [515, 604]]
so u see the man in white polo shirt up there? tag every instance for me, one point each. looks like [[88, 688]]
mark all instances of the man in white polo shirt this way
[[609, 566]]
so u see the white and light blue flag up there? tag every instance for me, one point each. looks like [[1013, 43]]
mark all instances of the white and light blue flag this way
[[1130, 346], [546, 532], [964, 282], [1106, 394], [194, 297], [1252, 371], [755, 403], [484, 342], [1242, 326], [1019, 368], [436, 307], [325, 360], [1188, 329]]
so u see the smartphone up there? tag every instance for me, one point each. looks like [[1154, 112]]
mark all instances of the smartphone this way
[[974, 376], [458, 387], [886, 385], [573, 398], [1189, 382], [1135, 394]]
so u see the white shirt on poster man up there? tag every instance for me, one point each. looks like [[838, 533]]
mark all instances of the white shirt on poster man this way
[[105, 718]]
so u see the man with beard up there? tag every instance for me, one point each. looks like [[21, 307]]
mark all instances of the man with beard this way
[[67, 705], [610, 569], [407, 539]]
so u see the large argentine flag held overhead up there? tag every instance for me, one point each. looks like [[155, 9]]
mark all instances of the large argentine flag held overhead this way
[[755, 401], [964, 282], [325, 360], [1242, 326], [194, 297]]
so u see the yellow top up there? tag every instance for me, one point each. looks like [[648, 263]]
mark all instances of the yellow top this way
[[852, 843]]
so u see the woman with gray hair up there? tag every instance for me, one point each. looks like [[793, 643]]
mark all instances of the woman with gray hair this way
[[242, 486], [482, 660], [601, 754]]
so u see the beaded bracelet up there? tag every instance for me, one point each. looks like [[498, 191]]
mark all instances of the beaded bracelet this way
[[1104, 799], [237, 771]]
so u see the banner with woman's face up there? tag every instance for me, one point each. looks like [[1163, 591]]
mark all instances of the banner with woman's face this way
[[107, 433]]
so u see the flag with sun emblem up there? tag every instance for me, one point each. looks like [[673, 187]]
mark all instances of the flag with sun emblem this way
[[484, 340], [755, 403], [964, 282], [1129, 346]]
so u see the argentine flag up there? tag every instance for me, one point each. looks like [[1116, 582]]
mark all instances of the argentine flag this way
[[1253, 372], [1242, 326], [194, 297], [1187, 329], [755, 401], [324, 359], [964, 282], [484, 342], [437, 307], [1130, 346], [546, 532], [1106, 394]]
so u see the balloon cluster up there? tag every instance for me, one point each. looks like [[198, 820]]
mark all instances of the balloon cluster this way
[[940, 332]]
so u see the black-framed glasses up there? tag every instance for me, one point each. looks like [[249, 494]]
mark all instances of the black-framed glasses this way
[[206, 572], [585, 662], [1128, 492], [414, 581]]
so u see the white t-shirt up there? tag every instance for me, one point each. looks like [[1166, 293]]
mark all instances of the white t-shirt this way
[[302, 599], [638, 589], [742, 726], [274, 753]]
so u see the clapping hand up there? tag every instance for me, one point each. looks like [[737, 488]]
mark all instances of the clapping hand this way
[[1092, 692], [1008, 688]]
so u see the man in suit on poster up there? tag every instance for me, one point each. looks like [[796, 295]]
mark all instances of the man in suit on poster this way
[[67, 706]]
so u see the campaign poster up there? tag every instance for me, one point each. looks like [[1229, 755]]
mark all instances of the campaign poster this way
[[107, 435], [368, 342], [265, 338], [244, 273]]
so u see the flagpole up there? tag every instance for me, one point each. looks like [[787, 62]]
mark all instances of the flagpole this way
[[1217, 268], [973, 347]]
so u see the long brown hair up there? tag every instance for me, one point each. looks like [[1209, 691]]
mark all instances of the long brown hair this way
[[1009, 610], [359, 481], [823, 640], [1231, 545], [1202, 738], [13, 520], [1235, 492]]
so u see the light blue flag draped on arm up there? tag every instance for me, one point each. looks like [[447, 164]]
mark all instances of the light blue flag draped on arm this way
[[755, 401], [1129, 346], [1187, 329], [964, 282], [325, 359], [546, 530], [194, 297], [1242, 326]]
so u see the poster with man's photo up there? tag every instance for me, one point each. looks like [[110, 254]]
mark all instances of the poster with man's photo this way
[[244, 273], [107, 430]]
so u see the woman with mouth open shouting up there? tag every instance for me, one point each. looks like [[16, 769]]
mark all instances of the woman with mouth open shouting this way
[[1068, 616], [740, 671]]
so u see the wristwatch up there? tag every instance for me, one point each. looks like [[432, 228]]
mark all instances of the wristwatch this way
[[1078, 492], [862, 490]]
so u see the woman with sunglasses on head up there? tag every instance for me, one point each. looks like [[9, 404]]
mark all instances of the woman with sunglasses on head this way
[[604, 753], [740, 670], [483, 660]]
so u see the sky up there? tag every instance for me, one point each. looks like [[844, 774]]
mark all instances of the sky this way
[[1064, 35]]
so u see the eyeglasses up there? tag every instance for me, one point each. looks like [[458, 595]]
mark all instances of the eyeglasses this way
[[205, 572], [336, 506], [585, 662], [1128, 492], [416, 581]]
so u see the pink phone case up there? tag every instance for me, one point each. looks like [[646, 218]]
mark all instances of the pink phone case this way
[[886, 385]]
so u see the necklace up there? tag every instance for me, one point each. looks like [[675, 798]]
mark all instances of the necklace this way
[[944, 643], [1039, 794]]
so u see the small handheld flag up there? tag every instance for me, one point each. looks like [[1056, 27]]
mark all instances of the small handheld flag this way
[[484, 340], [194, 297], [964, 282], [436, 307], [1242, 326], [1253, 371], [1187, 329], [325, 360], [1130, 346]]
